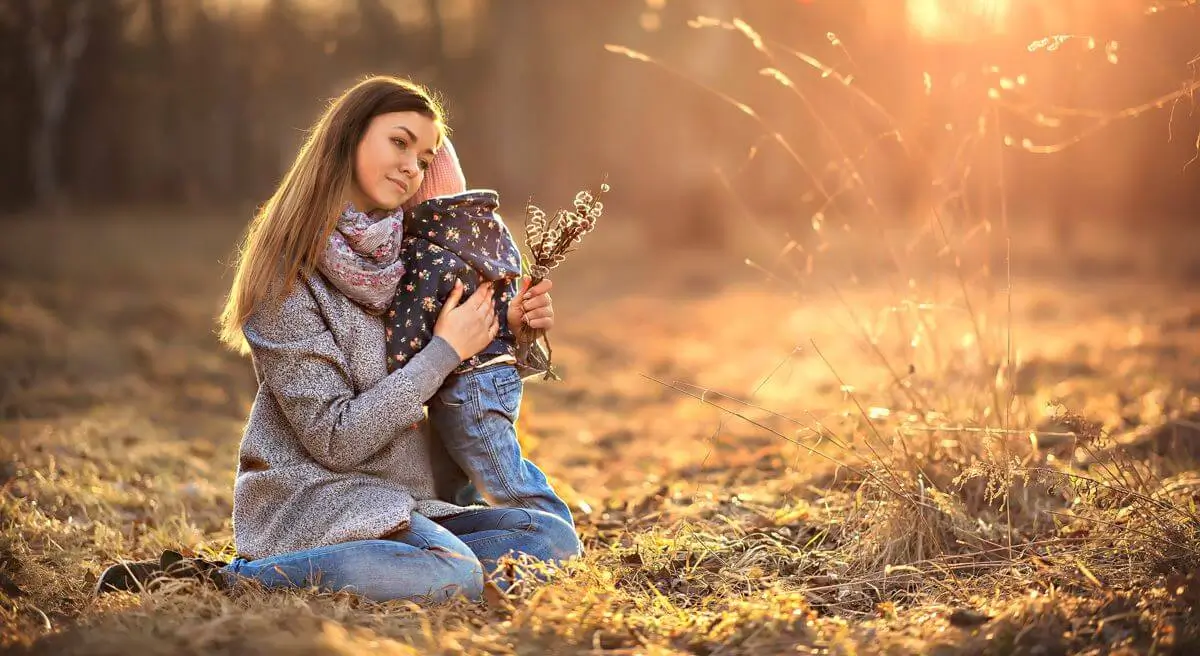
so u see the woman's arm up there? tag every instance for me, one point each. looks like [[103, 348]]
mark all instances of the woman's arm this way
[[309, 376]]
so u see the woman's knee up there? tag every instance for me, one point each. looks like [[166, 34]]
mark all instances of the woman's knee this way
[[462, 575], [454, 566], [436, 573], [559, 538]]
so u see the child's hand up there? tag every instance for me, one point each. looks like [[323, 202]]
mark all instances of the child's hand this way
[[471, 326], [532, 308]]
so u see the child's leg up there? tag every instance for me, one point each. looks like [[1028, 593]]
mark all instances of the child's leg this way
[[475, 416]]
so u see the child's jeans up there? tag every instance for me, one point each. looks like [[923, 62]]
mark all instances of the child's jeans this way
[[475, 415]]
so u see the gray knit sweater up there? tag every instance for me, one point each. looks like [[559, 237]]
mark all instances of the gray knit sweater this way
[[336, 449]]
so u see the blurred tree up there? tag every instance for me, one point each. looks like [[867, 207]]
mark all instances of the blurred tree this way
[[17, 114], [167, 106], [99, 156], [692, 209], [512, 113], [58, 32], [437, 28], [220, 129]]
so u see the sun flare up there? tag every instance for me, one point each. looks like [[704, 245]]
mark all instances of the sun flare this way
[[954, 20]]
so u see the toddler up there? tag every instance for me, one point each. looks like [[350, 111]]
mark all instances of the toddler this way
[[453, 234]]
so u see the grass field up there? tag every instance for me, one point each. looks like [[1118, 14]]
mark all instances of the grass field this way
[[875, 467]]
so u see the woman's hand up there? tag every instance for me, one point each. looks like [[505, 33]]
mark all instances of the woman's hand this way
[[531, 308], [471, 326]]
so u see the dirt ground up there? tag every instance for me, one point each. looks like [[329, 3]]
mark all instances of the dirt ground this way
[[742, 450]]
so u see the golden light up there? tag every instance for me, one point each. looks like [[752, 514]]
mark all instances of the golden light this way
[[957, 20], [650, 21]]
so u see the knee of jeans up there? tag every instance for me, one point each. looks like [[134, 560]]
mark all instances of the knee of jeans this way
[[559, 537], [465, 576]]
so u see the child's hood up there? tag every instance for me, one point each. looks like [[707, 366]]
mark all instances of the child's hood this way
[[468, 225]]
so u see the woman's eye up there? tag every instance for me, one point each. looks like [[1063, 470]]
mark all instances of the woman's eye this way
[[399, 142], [424, 164]]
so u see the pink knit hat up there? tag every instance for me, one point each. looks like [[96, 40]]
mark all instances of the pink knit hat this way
[[443, 178]]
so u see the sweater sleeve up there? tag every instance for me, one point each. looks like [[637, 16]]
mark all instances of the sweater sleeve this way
[[309, 376]]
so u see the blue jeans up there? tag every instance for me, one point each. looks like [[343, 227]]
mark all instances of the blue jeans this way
[[430, 561], [474, 414]]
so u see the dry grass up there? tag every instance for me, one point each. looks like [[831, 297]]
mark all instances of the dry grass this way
[[708, 530]]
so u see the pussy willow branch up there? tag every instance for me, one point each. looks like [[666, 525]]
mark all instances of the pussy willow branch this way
[[549, 242]]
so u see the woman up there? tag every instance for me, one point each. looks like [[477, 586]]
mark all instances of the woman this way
[[340, 483]]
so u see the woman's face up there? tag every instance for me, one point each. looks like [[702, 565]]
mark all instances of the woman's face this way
[[391, 160]]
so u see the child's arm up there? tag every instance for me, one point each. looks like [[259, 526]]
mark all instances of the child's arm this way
[[423, 290], [508, 258]]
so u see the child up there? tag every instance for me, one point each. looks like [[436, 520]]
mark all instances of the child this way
[[452, 234]]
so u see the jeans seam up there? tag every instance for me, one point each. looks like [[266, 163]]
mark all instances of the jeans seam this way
[[502, 474], [476, 401], [500, 394]]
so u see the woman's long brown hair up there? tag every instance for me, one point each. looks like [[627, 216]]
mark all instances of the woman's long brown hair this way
[[289, 232]]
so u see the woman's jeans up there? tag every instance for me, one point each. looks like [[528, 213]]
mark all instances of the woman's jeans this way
[[431, 560]]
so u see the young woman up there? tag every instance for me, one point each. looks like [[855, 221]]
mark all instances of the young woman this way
[[340, 483]]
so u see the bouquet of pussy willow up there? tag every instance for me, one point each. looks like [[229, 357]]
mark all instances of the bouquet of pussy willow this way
[[548, 241]]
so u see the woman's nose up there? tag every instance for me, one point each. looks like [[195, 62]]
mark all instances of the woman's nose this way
[[408, 166]]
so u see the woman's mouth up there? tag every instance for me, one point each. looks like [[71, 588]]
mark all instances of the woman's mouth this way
[[399, 183]]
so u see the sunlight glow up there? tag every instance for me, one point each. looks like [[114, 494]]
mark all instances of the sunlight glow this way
[[957, 20]]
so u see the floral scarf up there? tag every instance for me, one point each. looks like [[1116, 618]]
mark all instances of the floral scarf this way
[[362, 258]]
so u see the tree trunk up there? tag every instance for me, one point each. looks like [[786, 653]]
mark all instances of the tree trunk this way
[[692, 194], [514, 120], [53, 73], [437, 32], [169, 122]]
